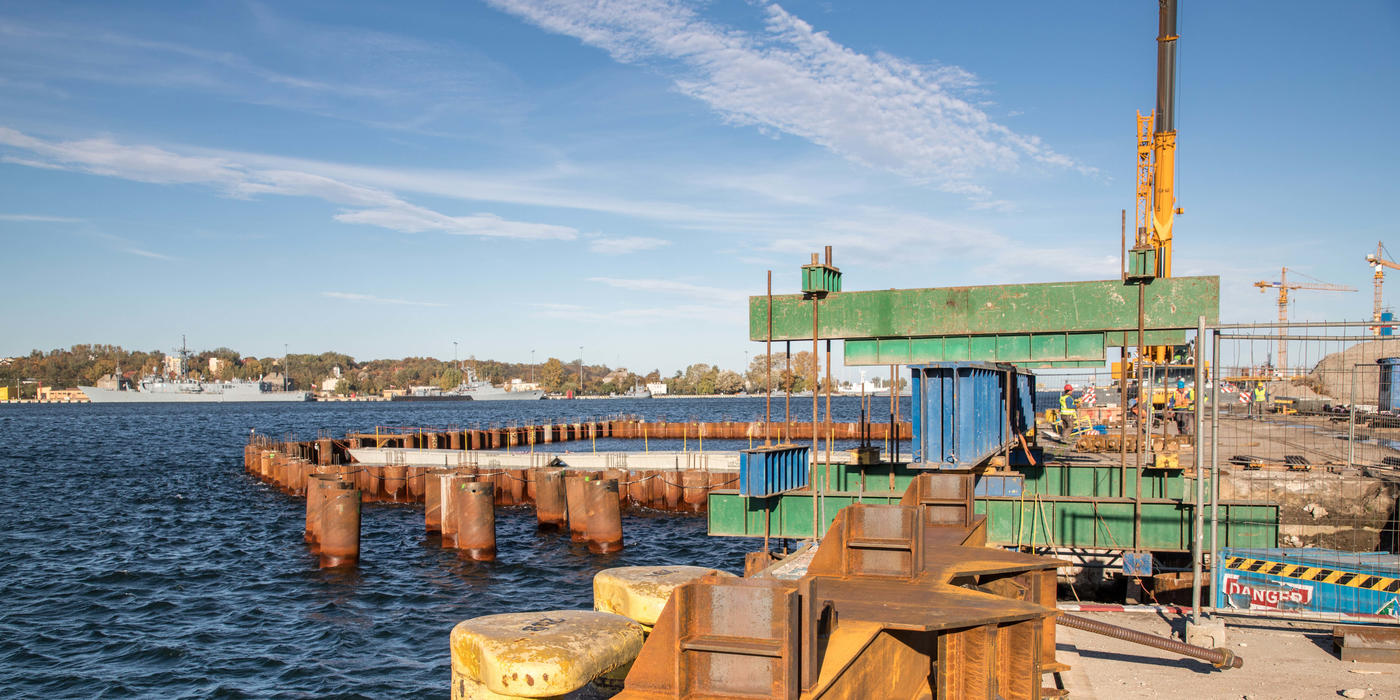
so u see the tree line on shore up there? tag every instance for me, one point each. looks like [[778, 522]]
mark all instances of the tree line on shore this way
[[86, 364]]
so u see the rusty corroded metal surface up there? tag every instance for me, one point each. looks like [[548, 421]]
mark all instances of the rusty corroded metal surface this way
[[898, 601]]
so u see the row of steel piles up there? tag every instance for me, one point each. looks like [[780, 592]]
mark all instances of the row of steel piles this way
[[332, 497], [684, 490], [494, 438], [627, 428]]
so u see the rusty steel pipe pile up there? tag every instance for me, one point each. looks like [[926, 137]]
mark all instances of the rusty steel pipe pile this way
[[459, 501]]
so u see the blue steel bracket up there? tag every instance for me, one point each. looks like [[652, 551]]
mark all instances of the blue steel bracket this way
[[769, 471], [1137, 564]]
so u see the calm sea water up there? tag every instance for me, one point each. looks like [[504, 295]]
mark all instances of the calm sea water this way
[[139, 560]]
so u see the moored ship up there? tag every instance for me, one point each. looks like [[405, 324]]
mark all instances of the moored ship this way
[[155, 389]]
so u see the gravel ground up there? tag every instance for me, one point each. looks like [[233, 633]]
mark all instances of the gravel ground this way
[[1281, 660]]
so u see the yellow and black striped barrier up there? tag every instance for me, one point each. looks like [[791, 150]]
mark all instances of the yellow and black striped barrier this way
[[1314, 574]]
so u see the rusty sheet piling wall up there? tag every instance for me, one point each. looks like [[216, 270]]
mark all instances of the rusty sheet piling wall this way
[[500, 437], [289, 466]]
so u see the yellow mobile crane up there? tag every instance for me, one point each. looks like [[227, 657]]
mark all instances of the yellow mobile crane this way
[[1379, 263], [1283, 285], [1155, 208]]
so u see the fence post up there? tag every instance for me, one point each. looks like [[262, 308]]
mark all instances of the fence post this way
[[1199, 464], [1214, 465]]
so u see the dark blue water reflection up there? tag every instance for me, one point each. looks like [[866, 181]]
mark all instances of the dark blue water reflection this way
[[139, 560]]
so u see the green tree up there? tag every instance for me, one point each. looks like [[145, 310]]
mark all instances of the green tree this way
[[553, 376]]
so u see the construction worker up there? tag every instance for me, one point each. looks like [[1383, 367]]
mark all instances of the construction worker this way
[[1067, 412], [1183, 403], [1260, 397]]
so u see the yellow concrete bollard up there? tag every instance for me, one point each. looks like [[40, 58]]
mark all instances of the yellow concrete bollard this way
[[640, 592], [540, 654]]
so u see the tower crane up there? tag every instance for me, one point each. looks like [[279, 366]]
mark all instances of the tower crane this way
[[1283, 286], [1379, 263]]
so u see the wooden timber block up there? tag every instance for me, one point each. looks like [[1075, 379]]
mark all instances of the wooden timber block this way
[[1367, 643]]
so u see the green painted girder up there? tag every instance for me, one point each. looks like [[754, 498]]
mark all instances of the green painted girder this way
[[1047, 521], [1069, 505], [1056, 324]]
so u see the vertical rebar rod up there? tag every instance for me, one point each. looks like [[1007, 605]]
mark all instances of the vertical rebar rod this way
[[1214, 463], [1198, 464], [787, 393], [827, 486], [768, 397], [828, 415], [812, 478], [889, 432]]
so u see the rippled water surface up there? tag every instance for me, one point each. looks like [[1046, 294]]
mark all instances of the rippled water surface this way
[[140, 560]]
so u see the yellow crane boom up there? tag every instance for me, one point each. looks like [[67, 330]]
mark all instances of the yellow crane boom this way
[[1156, 209], [1284, 286]]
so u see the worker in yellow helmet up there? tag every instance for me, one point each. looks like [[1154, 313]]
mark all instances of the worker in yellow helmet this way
[[1067, 411], [1261, 397], [1182, 403]]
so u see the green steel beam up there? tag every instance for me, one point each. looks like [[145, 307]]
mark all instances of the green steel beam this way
[[1046, 521], [1058, 324], [1066, 505]]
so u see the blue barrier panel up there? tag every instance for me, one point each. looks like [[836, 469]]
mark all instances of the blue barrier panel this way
[[1310, 580], [960, 411], [768, 471], [1389, 396]]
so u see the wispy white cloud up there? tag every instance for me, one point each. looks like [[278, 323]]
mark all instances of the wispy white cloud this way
[[654, 286], [149, 254], [625, 244], [370, 298], [234, 178], [41, 218], [731, 314], [877, 110], [341, 72]]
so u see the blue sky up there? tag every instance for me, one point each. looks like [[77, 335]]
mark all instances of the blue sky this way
[[517, 175]]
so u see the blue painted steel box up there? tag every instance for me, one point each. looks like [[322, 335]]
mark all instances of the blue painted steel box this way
[[1389, 393], [1137, 563], [960, 411], [1309, 580], [999, 485], [768, 471]]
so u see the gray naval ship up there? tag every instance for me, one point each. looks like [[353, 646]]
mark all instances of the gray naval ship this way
[[114, 388], [155, 389], [471, 390]]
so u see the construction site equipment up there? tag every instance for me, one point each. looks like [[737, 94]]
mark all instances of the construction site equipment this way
[[1284, 286], [965, 412], [1057, 324], [1219, 657], [766, 471], [1378, 263], [899, 601], [1367, 644]]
